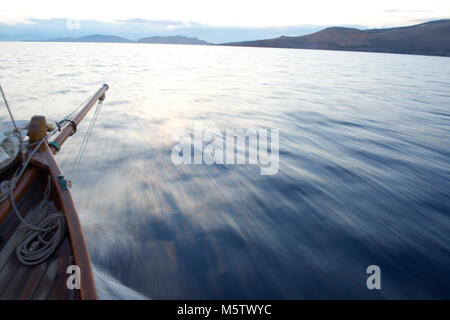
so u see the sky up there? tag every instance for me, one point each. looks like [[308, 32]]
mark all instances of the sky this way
[[262, 14], [249, 13]]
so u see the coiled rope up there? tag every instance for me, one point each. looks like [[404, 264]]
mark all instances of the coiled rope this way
[[40, 240], [43, 238]]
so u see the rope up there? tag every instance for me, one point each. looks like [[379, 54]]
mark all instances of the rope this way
[[17, 131], [7, 187], [42, 239], [73, 113], [70, 116], [85, 140], [11, 116]]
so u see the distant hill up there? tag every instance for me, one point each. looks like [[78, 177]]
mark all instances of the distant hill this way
[[172, 40], [115, 39], [431, 38], [94, 38]]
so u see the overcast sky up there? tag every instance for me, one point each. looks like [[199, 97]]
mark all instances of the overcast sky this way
[[245, 13]]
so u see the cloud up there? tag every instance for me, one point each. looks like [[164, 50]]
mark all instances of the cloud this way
[[421, 20], [153, 22], [407, 11], [134, 29]]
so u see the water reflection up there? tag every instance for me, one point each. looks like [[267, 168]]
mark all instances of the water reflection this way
[[364, 167]]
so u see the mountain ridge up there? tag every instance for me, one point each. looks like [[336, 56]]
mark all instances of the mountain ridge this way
[[103, 38], [99, 38], [173, 40], [430, 38]]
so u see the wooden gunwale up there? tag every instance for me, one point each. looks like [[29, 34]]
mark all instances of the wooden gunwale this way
[[65, 203], [44, 161]]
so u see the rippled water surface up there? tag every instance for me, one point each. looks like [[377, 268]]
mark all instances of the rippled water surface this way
[[364, 167]]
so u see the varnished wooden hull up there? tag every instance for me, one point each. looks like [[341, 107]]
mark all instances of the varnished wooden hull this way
[[47, 280]]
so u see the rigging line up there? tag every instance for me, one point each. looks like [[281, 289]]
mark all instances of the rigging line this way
[[74, 111], [11, 184], [71, 115], [8, 186], [11, 116], [41, 238], [85, 140], [84, 143]]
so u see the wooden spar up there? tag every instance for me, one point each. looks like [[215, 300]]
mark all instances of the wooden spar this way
[[68, 130], [71, 127], [43, 163]]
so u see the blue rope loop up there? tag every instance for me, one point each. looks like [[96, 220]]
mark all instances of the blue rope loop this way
[[55, 144], [63, 182]]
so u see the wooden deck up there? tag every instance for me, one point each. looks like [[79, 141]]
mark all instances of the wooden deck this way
[[44, 281]]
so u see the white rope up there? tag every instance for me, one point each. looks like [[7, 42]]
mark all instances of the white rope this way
[[11, 116], [42, 239], [16, 131], [71, 115], [85, 141], [8, 186], [11, 185]]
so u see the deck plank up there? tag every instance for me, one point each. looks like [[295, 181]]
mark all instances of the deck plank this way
[[60, 291], [33, 281], [63, 256], [47, 281], [7, 273], [17, 282], [25, 205], [10, 246]]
